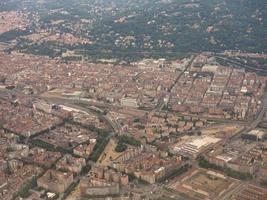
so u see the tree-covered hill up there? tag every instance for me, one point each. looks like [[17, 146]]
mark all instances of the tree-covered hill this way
[[137, 28]]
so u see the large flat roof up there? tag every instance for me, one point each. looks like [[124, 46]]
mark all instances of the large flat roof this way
[[203, 141]]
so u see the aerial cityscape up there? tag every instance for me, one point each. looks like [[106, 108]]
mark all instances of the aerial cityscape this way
[[133, 100]]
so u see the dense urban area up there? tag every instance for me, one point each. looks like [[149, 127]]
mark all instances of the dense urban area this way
[[133, 100]]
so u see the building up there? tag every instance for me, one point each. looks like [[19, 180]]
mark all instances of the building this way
[[102, 182], [55, 181], [84, 150], [109, 175], [130, 102], [98, 187], [196, 146], [43, 106], [254, 135], [71, 164], [147, 166]]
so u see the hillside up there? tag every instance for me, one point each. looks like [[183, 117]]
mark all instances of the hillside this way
[[131, 29]]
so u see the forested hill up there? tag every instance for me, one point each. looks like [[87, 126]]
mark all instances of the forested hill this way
[[136, 28]]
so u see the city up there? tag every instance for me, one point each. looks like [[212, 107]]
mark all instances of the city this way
[[189, 128]]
